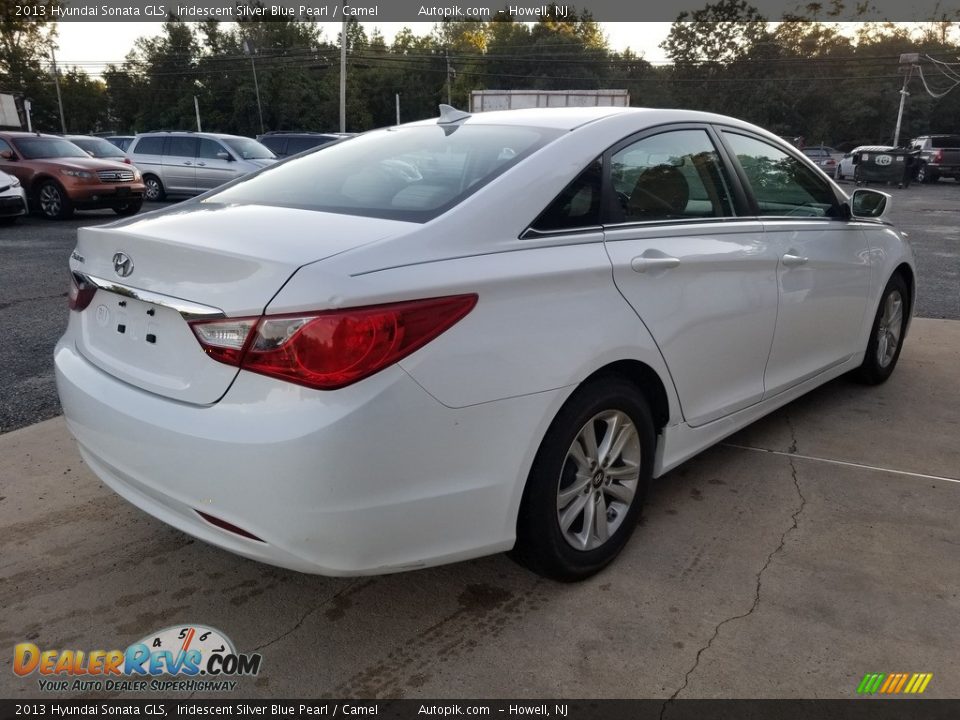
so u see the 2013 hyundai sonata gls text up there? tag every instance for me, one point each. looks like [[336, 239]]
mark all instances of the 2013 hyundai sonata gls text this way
[[469, 335]]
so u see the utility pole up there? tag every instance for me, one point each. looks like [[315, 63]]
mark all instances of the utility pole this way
[[398, 108], [447, 56], [196, 106], [343, 73], [911, 60], [248, 49], [56, 81]]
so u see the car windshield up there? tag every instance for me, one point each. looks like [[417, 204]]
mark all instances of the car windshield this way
[[38, 148], [98, 148], [405, 173], [249, 149]]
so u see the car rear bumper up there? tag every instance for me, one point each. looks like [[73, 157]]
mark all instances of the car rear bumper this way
[[374, 478]]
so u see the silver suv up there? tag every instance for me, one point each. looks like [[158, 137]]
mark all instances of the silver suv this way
[[189, 163]]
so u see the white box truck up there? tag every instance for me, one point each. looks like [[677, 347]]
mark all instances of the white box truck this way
[[484, 100]]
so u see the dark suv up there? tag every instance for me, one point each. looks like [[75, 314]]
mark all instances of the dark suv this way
[[939, 157], [290, 143]]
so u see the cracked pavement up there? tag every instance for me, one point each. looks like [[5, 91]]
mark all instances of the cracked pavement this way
[[814, 546]]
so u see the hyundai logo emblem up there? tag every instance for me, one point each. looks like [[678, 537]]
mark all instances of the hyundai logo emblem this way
[[122, 264]]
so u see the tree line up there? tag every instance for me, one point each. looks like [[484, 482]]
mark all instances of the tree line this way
[[801, 76]]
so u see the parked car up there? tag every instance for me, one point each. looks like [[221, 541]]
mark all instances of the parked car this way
[[825, 157], [98, 148], [188, 163], [341, 368], [59, 177], [283, 143], [121, 141], [939, 156], [13, 200]]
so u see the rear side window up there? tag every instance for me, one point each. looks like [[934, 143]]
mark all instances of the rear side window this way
[[295, 145], [149, 146], [673, 175], [782, 184], [405, 173], [946, 142], [578, 206], [182, 147], [274, 144]]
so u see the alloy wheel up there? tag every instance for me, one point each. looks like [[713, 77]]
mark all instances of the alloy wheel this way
[[598, 480], [889, 328], [50, 201]]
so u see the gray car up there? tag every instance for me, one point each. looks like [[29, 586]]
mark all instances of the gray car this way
[[188, 163]]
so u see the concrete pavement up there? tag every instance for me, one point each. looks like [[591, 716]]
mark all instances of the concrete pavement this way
[[815, 546]]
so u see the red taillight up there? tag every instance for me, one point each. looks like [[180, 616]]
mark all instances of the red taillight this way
[[80, 293], [334, 348], [937, 156]]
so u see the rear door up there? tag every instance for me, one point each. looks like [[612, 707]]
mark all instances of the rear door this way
[[179, 171], [147, 154], [823, 272], [699, 274]]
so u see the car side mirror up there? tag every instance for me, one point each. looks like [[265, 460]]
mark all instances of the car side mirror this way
[[7, 155], [225, 156], [869, 203]]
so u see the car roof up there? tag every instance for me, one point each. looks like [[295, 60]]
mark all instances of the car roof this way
[[25, 134], [570, 118], [191, 133]]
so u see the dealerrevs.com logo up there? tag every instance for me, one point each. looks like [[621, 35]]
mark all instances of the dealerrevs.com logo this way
[[189, 658]]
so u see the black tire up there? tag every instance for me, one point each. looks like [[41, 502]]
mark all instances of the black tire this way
[[53, 202], [877, 366], [926, 175], [542, 546], [130, 208], [153, 189]]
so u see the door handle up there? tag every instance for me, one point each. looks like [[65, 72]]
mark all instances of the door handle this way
[[201, 164], [643, 264], [188, 163], [791, 260]]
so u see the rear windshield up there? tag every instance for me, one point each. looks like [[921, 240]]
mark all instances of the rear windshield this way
[[946, 142], [249, 149], [37, 148], [406, 173]]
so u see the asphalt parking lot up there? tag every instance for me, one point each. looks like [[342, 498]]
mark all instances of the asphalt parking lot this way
[[815, 546]]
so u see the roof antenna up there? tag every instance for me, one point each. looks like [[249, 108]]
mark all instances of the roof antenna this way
[[449, 114]]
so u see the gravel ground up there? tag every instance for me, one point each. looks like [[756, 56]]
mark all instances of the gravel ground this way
[[33, 283]]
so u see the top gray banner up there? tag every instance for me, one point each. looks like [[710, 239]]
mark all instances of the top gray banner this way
[[417, 11]]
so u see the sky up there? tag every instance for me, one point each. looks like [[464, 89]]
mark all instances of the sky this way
[[91, 45]]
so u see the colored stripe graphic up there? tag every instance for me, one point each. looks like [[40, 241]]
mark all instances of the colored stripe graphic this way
[[894, 683]]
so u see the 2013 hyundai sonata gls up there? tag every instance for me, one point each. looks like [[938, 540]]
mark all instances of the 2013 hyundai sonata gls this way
[[466, 335]]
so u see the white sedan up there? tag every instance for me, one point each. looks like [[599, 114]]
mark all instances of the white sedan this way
[[13, 200], [469, 335]]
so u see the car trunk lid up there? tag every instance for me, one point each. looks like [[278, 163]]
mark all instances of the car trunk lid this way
[[156, 272]]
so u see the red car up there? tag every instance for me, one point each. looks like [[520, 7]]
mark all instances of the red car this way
[[59, 177]]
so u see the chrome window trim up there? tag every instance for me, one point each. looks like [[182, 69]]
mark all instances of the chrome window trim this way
[[188, 310]]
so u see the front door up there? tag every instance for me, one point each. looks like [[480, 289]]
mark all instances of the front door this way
[[823, 273]]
